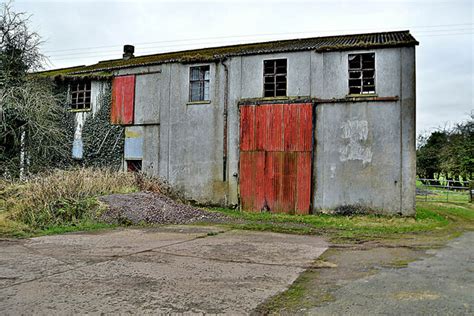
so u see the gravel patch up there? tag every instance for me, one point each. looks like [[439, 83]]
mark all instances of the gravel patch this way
[[148, 207]]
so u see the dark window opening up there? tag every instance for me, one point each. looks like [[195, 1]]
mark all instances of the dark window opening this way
[[274, 78], [362, 73], [199, 83], [134, 165], [81, 95]]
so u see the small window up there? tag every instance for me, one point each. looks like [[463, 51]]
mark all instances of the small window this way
[[199, 83], [362, 73], [274, 78], [81, 95]]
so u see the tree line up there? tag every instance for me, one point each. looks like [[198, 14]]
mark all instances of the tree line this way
[[447, 152]]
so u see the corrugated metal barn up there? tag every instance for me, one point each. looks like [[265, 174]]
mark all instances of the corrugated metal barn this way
[[295, 126]]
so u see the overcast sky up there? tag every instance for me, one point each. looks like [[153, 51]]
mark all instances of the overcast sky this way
[[78, 32]]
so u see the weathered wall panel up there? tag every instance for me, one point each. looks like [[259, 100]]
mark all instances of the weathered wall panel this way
[[360, 159], [408, 127], [77, 143], [191, 136], [334, 77], [147, 99], [151, 150], [133, 149], [358, 156], [298, 78]]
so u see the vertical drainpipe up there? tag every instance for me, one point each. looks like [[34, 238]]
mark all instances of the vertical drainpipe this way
[[401, 131], [226, 97]]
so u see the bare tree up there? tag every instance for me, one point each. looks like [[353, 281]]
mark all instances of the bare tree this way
[[19, 47], [31, 135]]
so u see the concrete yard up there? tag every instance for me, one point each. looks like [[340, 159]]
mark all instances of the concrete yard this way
[[154, 270], [442, 284]]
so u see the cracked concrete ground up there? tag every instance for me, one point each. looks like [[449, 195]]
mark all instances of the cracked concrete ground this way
[[155, 270], [442, 284]]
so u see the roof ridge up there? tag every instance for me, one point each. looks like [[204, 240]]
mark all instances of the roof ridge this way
[[257, 43], [319, 44]]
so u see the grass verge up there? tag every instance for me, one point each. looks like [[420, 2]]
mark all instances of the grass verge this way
[[431, 217]]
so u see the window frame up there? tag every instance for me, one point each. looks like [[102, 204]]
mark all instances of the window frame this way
[[202, 84], [80, 88], [274, 75], [361, 70]]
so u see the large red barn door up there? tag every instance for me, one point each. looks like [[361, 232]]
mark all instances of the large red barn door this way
[[275, 157]]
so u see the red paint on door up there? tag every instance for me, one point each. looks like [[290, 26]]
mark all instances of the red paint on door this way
[[247, 124], [275, 157], [123, 97]]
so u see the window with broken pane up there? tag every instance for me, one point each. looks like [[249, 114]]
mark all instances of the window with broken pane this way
[[362, 73], [274, 77], [199, 83], [81, 95]]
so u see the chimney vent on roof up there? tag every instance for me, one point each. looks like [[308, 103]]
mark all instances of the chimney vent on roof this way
[[128, 51]]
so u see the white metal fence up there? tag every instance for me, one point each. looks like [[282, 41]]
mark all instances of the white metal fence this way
[[441, 190]]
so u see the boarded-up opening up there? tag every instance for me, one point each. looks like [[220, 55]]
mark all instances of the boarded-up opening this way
[[123, 97], [275, 157]]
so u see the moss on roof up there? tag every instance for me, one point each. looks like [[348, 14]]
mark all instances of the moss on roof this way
[[319, 44]]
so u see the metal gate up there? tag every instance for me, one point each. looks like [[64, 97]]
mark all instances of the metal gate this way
[[275, 157]]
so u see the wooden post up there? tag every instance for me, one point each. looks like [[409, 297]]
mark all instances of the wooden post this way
[[471, 191]]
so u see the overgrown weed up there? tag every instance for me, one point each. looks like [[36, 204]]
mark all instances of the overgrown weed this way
[[61, 197]]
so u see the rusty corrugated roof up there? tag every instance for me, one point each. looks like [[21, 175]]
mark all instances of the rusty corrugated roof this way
[[319, 44]]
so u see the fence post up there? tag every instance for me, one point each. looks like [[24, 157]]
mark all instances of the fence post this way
[[471, 190]]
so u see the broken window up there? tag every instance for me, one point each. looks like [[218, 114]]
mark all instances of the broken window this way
[[362, 73], [81, 95], [199, 83], [274, 78]]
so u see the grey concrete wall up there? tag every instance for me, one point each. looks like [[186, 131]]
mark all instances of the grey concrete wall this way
[[334, 73], [151, 150], [298, 78], [235, 92], [357, 156], [364, 151], [191, 136], [147, 99], [408, 128]]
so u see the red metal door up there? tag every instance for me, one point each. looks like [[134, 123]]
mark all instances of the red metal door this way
[[123, 98], [275, 157]]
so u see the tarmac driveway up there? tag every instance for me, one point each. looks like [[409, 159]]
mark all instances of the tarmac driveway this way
[[156, 270]]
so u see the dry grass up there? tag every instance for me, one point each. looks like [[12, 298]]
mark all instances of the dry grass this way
[[60, 196]]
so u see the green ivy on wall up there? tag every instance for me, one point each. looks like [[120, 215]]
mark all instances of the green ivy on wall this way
[[102, 142]]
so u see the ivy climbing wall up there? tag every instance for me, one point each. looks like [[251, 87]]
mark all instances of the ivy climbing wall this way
[[93, 141]]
